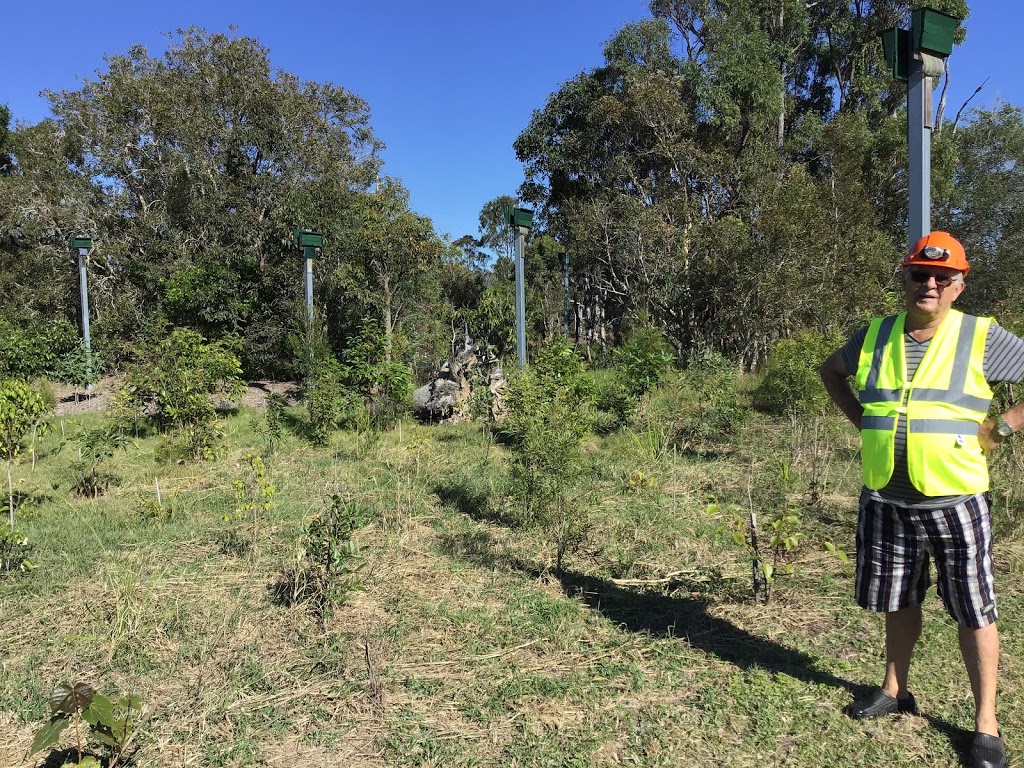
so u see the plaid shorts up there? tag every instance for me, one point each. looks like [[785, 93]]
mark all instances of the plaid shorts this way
[[894, 545]]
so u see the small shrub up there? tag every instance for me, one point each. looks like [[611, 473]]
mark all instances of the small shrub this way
[[710, 409], [549, 413], [384, 382], [272, 427], [330, 561], [254, 497], [80, 368], [174, 381], [643, 360], [14, 551], [327, 403], [791, 383], [110, 723], [614, 404], [95, 446], [21, 411]]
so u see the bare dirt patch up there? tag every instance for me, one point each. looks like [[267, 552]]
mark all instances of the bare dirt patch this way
[[71, 400]]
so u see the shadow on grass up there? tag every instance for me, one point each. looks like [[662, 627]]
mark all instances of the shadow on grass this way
[[959, 738], [686, 619], [464, 497]]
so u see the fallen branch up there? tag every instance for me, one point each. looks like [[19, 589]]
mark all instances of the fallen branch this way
[[675, 577]]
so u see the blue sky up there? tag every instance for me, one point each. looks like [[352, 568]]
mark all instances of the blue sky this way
[[450, 84]]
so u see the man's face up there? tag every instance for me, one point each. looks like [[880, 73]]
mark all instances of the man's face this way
[[931, 290]]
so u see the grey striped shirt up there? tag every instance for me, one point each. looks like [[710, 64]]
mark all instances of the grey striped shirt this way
[[1004, 361]]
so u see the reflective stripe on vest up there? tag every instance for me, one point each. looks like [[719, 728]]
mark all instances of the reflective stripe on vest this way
[[944, 405]]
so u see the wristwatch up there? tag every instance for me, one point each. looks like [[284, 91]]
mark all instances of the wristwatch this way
[[1003, 429]]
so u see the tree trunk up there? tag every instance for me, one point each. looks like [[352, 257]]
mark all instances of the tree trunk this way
[[10, 495]]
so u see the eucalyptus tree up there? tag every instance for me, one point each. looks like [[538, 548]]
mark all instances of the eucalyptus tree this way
[[726, 167], [397, 255], [983, 203], [496, 234], [205, 159]]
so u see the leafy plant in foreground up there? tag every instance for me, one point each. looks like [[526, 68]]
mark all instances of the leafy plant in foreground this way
[[254, 496], [112, 723], [14, 549], [549, 413], [21, 408], [330, 558]]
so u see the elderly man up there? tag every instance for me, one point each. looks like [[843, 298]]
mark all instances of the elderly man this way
[[924, 379]]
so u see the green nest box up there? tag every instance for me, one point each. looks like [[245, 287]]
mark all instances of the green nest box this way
[[933, 31], [518, 217], [77, 243], [307, 238], [896, 47], [522, 218]]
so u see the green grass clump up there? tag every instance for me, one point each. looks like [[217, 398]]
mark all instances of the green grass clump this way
[[460, 645]]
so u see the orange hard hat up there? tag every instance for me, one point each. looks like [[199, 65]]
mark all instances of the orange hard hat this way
[[938, 249]]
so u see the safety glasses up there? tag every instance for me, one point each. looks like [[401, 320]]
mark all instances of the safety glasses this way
[[922, 276]]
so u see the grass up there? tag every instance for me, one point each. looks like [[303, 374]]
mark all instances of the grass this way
[[463, 647]]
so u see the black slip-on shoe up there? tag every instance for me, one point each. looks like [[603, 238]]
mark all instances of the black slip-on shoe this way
[[987, 751], [880, 704]]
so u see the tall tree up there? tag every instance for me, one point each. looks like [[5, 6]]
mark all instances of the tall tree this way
[[205, 159], [396, 251], [722, 150]]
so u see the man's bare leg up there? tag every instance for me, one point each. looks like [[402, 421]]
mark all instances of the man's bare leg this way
[[902, 630], [980, 649]]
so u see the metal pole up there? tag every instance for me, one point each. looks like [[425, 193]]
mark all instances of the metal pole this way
[[919, 144], [309, 253], [83, 261], [520, 296], [565, 287]]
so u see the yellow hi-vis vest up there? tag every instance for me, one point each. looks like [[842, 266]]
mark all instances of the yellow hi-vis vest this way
[[944, 404]]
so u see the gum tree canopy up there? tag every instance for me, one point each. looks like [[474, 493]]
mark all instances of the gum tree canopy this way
[[727, 166], [199, 164]]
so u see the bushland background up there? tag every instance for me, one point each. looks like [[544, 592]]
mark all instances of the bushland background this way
[[643, 563]]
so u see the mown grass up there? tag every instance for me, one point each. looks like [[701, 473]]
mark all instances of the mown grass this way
[[464, 647]]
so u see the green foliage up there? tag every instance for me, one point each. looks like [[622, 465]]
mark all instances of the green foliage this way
[[791, 383], [710, 410], [555, 387], [80, 367], [112, 723], [273, 421], [174, 381], [614, 402], [95, 446], [32, 349], [329, 403], [254, 497], [549, 413], [327, 572], [367, 368], [772, 534], [14, 551], [770, 561], [21, 410], [643, 360]]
